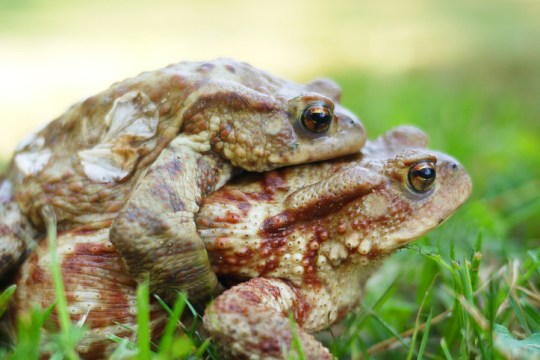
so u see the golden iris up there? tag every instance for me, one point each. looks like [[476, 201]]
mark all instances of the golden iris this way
[[422, 176], [317, 117]]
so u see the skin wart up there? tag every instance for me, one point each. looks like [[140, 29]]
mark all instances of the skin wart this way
[[147, 151]]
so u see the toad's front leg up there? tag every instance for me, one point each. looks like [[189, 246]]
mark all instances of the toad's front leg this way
[[250, 321], [155, 232]]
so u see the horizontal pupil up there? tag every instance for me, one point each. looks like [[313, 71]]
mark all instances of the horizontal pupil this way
[[317, 118], [425, 173], [319, 115]]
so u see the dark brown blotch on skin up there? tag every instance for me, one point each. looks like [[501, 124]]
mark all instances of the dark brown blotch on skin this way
[[206, 67], [275, 181], [230, 68]]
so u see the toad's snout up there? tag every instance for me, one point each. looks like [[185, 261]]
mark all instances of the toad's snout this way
[[458, 180]]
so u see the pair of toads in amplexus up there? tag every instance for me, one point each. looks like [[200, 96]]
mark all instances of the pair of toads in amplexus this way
[[258, 197]]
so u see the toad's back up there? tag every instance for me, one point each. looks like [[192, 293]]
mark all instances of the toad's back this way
[[86, 162]]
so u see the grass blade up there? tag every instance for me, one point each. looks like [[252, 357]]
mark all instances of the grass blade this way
[[143, 320], [61, 300], [425, 335], [296, 344], [172, 324], [68, 338], [445, 350], [518, 311], [5, 297], [204, 346], [391, 330]]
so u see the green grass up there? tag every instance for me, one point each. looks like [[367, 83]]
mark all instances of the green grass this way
[[478, 273], [469, 289]]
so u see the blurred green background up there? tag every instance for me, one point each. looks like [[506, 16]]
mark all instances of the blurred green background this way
[[467, 72]]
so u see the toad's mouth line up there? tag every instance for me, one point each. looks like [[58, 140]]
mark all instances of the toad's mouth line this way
[[348, 143]]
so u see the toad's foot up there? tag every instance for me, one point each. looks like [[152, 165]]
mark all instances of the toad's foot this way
[[251, 321]]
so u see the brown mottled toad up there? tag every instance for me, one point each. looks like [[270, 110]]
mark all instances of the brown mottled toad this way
[[141, 156], [307, 236]]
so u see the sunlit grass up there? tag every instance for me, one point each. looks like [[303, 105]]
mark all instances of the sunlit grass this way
[[460, 281]]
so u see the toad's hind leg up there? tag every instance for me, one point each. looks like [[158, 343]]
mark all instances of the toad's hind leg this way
[[17, 235], [155, 232], [251, 321]]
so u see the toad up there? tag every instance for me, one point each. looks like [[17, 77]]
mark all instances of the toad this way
[[309, 237], [140, 157], [302, 240]]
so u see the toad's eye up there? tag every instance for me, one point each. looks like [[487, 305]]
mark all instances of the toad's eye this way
[[317, 117], [422, 176]]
